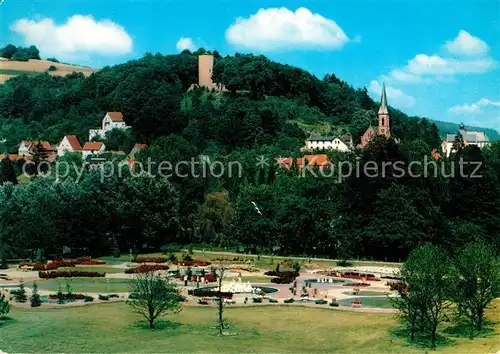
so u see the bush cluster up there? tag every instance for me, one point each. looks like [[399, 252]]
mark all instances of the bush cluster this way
[[146, 268], [192, 263], [149, 260], [70, 274], [286, 277]]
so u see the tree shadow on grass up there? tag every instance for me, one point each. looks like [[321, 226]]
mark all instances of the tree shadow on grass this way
[[160, 325], [463, 330], [421, 341]]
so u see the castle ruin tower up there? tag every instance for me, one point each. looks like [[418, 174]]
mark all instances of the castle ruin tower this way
[[205, 68], [384, 122]]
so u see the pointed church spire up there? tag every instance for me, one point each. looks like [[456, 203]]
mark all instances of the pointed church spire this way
[[383, 102]]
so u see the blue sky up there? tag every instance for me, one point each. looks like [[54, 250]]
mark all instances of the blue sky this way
[[439, 59]]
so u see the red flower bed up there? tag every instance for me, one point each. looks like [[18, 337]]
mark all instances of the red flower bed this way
[[192, 263], [357, 284], [149, 259], [65, 263], [360, 277], [69, 274], [146, 268], [93, 262], [39, 266]]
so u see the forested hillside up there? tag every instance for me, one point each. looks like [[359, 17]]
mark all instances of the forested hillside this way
[[270, 109]]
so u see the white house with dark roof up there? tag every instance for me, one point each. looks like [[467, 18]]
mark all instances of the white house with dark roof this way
[[480, 139], [112, 120]]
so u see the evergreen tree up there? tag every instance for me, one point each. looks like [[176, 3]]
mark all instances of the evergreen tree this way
[[35, 297], [115, 248], [20, 294], [7, 172], [458, 143], [4, 306]]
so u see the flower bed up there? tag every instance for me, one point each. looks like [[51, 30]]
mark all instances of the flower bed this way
[[149, 260], [192, 263], [67, 297], [146, 268], [357, 284], [69, 274], [63, 263], [39, 266]]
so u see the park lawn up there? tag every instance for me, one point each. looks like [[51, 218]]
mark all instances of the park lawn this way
[[263, 262], [87, 285], [112, 328]]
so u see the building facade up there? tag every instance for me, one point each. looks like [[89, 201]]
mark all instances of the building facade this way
[[112, 120], [384, 122], [68, 144], [480, 139]]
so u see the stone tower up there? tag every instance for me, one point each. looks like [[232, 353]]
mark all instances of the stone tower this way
[[384, 122], [205, 67]]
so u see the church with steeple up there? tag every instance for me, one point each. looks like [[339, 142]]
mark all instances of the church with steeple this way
[[384, 122]]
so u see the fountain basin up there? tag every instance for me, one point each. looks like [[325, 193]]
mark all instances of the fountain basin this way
[[264, 289]]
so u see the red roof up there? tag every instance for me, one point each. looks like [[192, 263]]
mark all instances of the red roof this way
[[92, 145], [116, 116], [320, 160], [139, 146], [73, 142], [45, 144]]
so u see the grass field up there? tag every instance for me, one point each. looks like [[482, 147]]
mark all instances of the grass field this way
[[112, 328], [17, 72], [88, 285]]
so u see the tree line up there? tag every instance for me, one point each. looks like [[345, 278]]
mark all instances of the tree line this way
[[269, 111]]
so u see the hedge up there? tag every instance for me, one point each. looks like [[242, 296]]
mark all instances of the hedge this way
[[146, 268]]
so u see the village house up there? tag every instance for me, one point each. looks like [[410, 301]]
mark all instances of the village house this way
[[342, 143], [93, 148], [320, 161], [112, 120], [68, 144], [479, 139], [137, 148], [27, 148]]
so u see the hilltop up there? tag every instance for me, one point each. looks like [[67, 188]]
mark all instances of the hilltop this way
[[13, 68]]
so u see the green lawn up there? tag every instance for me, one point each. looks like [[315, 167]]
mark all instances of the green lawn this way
[[89, 285], [113, 328], [382, 302]]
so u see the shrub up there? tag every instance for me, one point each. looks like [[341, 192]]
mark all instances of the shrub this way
[[149, 259], [103, 297], [273, 301], [146, 268], [54, 60], [186, 257], [35, 297], [202, 302], [172, 257], [357, 284], [344, 263], [52, 68], [192, 263], [320, 302], [257, 299], [113, 296], [70, 274], [4, 306], [20, 294], [89, 299], [334, 304], [288, 301]]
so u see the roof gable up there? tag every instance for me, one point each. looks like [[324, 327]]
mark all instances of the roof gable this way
[[115, 116], [73, 142], [93, 145]]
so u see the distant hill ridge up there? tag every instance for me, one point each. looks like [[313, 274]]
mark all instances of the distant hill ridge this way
[[452, 128]]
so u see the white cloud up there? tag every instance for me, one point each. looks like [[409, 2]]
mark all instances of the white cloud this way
[[466, 44], [186, 43], [80, 34], [423, 64], [474, 107], [395, 97], [280, 28], [425, 68]]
